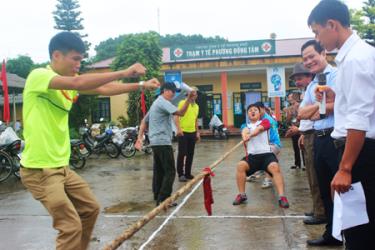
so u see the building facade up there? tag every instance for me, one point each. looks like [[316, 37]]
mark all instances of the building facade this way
[[229, 76]]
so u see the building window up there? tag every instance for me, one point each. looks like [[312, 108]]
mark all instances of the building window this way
[[103, 110]]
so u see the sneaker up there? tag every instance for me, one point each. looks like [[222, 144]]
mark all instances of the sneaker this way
[[240, 199], [283, 202], [182, 178], [294, 167], [251, 178], [267, 183], [189, 177]]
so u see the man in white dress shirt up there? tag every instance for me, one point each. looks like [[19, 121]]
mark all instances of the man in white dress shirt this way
[[354, 105]]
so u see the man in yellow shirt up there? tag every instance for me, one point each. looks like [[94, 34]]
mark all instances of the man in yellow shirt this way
[[47, 99], [187, 134]]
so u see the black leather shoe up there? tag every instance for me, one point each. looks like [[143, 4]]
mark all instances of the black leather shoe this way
[[324, 242], [312, 220]]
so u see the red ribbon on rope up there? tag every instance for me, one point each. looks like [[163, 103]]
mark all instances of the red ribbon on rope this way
[[143, 103], [207, 190]]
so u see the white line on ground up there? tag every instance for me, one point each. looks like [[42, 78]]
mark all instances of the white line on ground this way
[[170, 216], [130, 216], [213, 216]]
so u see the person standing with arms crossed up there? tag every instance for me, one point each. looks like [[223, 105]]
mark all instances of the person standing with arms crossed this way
[[354, 104], [47, 99], [188, 135]]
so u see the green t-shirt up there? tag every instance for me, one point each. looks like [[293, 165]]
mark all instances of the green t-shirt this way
[[45, 118]]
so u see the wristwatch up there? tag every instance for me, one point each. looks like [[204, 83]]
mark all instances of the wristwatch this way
[[141, 84]]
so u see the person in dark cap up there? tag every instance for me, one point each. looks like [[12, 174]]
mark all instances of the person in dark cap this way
[[159, 123], [302, 78]]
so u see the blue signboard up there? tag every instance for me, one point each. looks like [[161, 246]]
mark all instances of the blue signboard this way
[[171, 76]]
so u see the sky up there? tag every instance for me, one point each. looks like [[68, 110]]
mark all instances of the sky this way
[[27, 26]]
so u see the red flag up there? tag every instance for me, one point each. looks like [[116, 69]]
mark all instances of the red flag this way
[[3, 78], [143, 103], [207, 191]]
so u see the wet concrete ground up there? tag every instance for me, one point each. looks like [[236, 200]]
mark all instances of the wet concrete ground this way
[[123, 188]]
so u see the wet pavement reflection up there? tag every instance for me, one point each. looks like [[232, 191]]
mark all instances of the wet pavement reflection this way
[[123, 188]]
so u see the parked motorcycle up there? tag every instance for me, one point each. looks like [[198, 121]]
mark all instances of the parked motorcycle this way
[[78, 154], [220, 132], [128, 146], [10, 160], [100, 143]]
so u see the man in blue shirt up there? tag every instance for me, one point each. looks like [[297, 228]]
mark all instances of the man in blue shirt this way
[[325, 153]]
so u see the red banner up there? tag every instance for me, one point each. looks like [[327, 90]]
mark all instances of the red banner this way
[[143, 103], [3, 78]]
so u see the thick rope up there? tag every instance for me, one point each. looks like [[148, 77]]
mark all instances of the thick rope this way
[[135, 227]]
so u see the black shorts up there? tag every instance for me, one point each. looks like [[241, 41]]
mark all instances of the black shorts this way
[[259, 162]]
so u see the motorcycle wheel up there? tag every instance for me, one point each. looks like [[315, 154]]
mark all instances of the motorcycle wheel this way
[[6, 166], [17, 165], [112, 150], [76, 161], [127, 149]]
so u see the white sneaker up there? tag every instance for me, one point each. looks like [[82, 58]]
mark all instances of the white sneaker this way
[[267, 183]]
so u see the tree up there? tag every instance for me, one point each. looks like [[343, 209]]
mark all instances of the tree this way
[[145, 49], [107, 49], [363, 21], [67, 18], [179, 39], [21, 66]]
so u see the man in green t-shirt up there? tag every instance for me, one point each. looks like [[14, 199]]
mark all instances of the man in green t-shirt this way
[[47, 99]]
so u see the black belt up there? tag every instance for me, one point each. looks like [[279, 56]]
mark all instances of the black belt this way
[[340, 142], [323, 132], [308, 132]]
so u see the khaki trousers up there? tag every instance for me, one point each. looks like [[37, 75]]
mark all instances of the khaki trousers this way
[[318, 207], [69, 201]]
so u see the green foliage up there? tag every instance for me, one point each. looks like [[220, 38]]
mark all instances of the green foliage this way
[[363, 21], [180, 39], [145, 49], [108, 48], [21, 66], [40, 65], [123, 121], [81, 110], [74, 134], [67, 18]]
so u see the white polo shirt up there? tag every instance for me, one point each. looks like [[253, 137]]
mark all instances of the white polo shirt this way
[[259, 144], [355, 88]]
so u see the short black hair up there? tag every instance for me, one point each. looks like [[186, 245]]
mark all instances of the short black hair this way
[[66, 41], [259, 104], [251, 106], [330, 9], [317, 46], [169, 86]]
